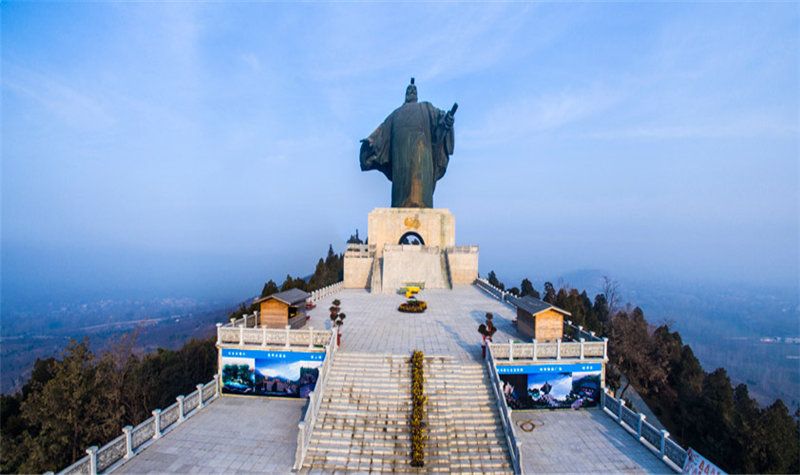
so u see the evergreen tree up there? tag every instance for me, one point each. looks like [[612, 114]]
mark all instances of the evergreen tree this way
[[492, 279], [526, 288], [269, 288], [549, 293], [288, 283]]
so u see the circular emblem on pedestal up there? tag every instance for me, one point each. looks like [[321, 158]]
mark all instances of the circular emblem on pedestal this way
[[411, 238]]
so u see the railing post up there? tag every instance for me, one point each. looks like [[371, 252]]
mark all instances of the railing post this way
[[255, 314], [605, 348], [510, 349], [180, 408], [128, 431], [535, 356], [558, 349], [216, 385], [241, 335], [288, 327], [157, 423], [298, 456], [219, 333], [310, 336], [199, 396], [639, 425], [619, 411], [664, 435], [603, 395], [582, 340], [92, 451], [264, 336]]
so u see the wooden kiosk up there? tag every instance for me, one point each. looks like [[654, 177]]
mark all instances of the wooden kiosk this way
[[539, 320], [284, 308]]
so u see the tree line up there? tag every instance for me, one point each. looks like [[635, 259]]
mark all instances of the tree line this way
[[83, 399], [700, 409], [329, 270]]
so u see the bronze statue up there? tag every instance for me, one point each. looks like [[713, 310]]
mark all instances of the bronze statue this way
[[411, 147]]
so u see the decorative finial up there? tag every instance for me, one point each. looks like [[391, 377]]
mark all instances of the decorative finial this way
[[412, 80]]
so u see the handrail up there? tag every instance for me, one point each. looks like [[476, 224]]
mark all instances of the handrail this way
[[514, 446], [306, 426], [551, 351], [115, 453], [262, 337], [319, 294], [657, 441]]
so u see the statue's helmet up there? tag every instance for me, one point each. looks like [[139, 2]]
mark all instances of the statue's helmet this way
[[411, 92]]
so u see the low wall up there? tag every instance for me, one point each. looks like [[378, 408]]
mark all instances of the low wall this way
[[409, 263], [463, 264], [357, 270]]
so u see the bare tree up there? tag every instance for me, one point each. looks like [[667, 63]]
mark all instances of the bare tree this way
[[611, 293]]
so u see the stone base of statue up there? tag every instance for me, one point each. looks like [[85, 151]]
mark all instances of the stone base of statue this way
[[409, 246]]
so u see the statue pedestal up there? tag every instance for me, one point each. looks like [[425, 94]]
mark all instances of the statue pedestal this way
[[433, 226], [410, 245]]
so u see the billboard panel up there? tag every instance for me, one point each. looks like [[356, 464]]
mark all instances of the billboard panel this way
[[270, 373], [551, 386]]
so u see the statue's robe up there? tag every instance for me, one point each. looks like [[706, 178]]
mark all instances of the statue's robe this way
[[411, 147]]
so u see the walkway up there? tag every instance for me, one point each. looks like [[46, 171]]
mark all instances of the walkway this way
[[584, 441], [232, 435]]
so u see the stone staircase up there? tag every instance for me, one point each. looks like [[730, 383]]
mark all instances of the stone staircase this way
[[463, 412], [363, 425]]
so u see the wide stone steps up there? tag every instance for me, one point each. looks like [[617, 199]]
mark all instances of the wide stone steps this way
[[363, 423]]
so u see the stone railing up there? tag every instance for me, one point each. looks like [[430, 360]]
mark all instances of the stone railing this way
[[576, 332], [245, 321], [658, 441], [135, 439], [360, 250], [326, 291], [263, 337], [462, 249], [306, 426], [490, 289], [514, 445], [551, 351]]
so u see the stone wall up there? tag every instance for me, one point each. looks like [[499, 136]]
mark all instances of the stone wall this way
[[463, 264], [357, 271], [404, 264], [358, 266], [436, 226]]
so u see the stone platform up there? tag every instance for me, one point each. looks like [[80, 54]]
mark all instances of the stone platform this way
[[250, 434], [231, 435], [448, 327], [409, 245]]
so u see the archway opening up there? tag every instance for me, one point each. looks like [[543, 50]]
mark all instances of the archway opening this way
[[411, 238]]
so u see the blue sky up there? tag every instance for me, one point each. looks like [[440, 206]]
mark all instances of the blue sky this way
[[199, 149]]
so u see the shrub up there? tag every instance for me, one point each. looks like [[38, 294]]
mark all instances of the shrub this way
[[413, 306], [419, 431]]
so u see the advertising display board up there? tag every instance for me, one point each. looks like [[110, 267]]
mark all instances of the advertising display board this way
[[270, 373], [696, 464], [551, 386]]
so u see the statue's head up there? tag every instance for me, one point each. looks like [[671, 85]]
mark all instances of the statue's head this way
[[411, 92]]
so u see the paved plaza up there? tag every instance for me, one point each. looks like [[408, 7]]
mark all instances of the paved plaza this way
[[448, 327], [232, 435], [250, 434], [583, 441]]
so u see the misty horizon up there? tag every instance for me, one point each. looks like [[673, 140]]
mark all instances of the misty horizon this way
[[153, 151]]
